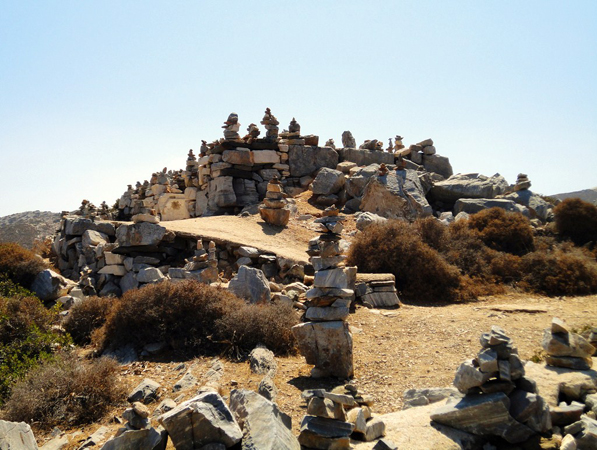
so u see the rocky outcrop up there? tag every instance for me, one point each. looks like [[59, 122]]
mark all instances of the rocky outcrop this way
[[474, 205], [16, 436], [250, 284], [469, 185], [305, 160], [397, 195], [48, 285], [538, 207], [27, 227]]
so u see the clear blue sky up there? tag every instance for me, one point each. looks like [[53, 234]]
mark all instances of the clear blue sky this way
[[95, 95]]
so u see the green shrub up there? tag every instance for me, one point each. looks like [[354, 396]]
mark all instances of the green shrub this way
[[65, 392], [576, 220], [26, 338], [508, 232], [194, 318], [84, 318], [559, 273], [19, 264], [421, 273]]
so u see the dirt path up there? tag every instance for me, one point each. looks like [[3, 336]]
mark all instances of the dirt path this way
[[290, 242]]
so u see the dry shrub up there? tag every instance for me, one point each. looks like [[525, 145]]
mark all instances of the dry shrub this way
[[576, 220], [84, 318], [432, 232], [465, 250], [508, 232], [187, 316], [506, 268], [65, 392], [421, 273], [19, 264], [559, 273]]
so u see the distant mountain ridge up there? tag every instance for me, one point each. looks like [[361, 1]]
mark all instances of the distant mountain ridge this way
[[27, 227], [588, 195]]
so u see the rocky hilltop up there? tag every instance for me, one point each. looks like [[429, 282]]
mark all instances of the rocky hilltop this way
[[588, 195], [27, 227]]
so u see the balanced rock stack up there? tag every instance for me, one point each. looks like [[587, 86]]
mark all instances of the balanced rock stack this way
[[203, 266], [325, 340], [231, 127], [270, 123], [333, 418], [274, 209], [499, 400], [566, 349], [376, 290], [522, 182]]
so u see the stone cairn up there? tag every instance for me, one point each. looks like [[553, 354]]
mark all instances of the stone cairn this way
[[203, 266], [191, 174], [330, 143], [348, 141], [522, 182], [499, 400], [333, 418], [275, 210], [270, 123], [325, 339], [398, 145], [418, 151], [566, 349], [231, 127]]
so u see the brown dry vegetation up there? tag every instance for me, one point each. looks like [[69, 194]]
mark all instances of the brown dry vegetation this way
[[19, 264]]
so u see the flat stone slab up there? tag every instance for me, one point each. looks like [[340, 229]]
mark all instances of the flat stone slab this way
[[369, 277], [516, 308], [412, 429]]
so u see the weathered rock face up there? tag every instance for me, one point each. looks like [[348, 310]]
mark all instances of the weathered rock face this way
[[139, 234], [78, 226], [144, 439], [394, 197], [16, 436], [245, 192], [264, 425], [327, 345], [145, 392], [221, 193], [469, 185], [474, 205], [328, 181], [304, 160], [355, 185], [348, 140], [205, 419], [48, 285], [438, 164], [539, 208], [250, 284]]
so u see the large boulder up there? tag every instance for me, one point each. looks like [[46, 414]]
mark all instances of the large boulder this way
[[48, 285], [251, 284], [221, 193], [264, 425], [16, 436], [438, 164], [538, 207], [326, 345], [355, 185], [328, 181], [394, 197], [93, 238], [305, 160], [364, 219], [142, 233], [78, 226], [469, 185], [204, 419], [474, 205]]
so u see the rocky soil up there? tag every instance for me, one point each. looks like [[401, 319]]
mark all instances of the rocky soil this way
[[414, 346]]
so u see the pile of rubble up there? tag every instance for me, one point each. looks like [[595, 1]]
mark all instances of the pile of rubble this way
[[325, 339], [333, 418], [499, 400], [566, 349]]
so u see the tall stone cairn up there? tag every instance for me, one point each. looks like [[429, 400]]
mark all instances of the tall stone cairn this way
[[274, 209], [325, 339]]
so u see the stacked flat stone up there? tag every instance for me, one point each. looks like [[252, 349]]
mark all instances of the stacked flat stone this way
[[522, 182], [325, 339], [377, 290], [275, 210], [333, 418], [203, 266], [499, 400], [231, 127], [270, 123], [566, 349], [191, 174]]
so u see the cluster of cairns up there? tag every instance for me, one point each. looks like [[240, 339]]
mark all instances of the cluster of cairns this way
[[333, 418], [275, 210], [566, 349], [324, 339], [499, 400]]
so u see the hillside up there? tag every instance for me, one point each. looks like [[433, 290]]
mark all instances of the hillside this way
[[27, 227], [588, 195]]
